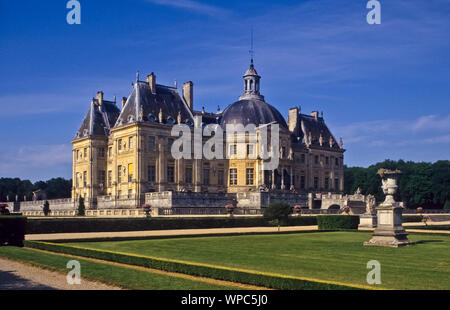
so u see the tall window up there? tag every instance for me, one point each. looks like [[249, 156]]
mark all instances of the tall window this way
[[336, 162], [170, 174], [336, 184], [119, 174], [302, 182], [316, 182], [205, 176], [101, 177], [327, 183], [316, 159], [77, 179], [249, 176], [85, 178], [102, 152], [85, 152], [249, 149], [78, 154], [233, 149], [151, 143], [233, 176], [109, 178], [130, 172], [188, 175], [169, 143], [327, 161], [220, 176], [151, 173], [119, 145], [130, 143], [283, 152], [110, 154], [302, 158]]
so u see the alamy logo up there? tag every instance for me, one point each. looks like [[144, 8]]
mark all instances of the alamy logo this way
[[374, 276], [374, 16], [74, 275], [74, 15]]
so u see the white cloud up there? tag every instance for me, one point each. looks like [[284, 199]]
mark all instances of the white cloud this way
[[193, 6]]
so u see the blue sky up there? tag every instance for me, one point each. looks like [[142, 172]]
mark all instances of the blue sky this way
[[384, 89]]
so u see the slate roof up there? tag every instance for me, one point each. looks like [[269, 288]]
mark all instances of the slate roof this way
[[99, 119], [251, 111], [145, 106], [309, 124]]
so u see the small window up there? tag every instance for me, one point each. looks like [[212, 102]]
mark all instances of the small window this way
[[205, 176]]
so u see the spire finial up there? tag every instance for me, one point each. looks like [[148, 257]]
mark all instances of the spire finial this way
[[251, 51], [137, 76]]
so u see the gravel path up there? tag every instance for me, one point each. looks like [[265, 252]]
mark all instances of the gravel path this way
[[19, 276]]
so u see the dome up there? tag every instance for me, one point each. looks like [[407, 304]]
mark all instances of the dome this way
[[251, 111]]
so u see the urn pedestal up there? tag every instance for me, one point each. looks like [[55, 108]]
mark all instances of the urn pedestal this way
[[389, 231], [368, 220]]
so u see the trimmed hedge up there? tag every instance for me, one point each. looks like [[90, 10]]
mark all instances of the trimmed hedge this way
[[337, 222], [12, 230], [221, 273], [411, 218], [71, 225]]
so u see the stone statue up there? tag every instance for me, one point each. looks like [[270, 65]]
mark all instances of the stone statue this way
[[321, 140]]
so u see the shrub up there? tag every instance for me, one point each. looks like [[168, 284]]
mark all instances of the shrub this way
[[337, 222], [12, 230], [69, 225], [278, 213], [46, 208], [81, 207], [447, 205]]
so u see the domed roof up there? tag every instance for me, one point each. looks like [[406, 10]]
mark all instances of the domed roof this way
[[251, 71], [251, 111]]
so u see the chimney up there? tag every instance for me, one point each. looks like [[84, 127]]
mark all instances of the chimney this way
[[293, 121], [124, 100], [100, 97], [188, 94], [151, 80], [315, 114]]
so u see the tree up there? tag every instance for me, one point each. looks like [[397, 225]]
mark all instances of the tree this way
[[46, 208], [278, 213], [81, 207], [447, 205]]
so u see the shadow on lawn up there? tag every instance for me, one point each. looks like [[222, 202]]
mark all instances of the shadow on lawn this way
[[427, 241]]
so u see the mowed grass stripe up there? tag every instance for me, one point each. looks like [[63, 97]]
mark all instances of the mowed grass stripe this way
[[188, 263], [331, 256], [121, 275]]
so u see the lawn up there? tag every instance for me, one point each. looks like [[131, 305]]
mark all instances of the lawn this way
[[128, 278], [330, 256]]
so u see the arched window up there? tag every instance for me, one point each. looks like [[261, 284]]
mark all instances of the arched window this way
[[251, 84]]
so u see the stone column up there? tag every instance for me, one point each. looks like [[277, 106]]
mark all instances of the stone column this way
[[282, 178], [292, 178]]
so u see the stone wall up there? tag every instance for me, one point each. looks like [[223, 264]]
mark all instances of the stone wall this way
[[55, 204], [193, 200]]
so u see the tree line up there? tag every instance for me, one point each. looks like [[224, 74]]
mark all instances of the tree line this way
[[422, 184], [54, 188]]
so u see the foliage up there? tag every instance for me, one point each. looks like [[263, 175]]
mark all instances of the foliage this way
[[12, 230], [421, 184], [337, 222], [46, 208], [81, 207], [54, 188], [278, 212], [69, 225], [447, 205]]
